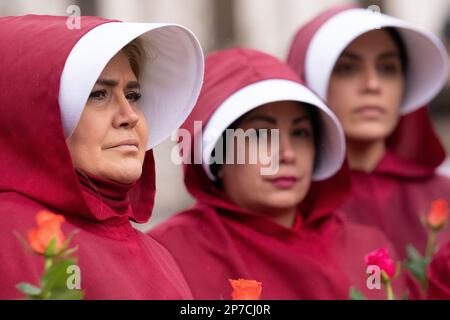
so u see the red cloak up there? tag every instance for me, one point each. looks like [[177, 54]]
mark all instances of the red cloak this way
[[321, 257], [116, 261]]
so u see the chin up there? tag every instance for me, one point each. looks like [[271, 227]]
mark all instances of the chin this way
[[126, 179], [125, 174], [369, 134], [284, 200]]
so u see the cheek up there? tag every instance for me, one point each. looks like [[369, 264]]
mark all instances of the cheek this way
[[85, 144], [340, 97], [394, 95], [82, 152], [142, 129], [244, 175], [242, 182], [305, 154], [142, 135], [392, 120]]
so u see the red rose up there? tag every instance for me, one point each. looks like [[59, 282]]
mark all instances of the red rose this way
[[49, 228], [438, 215], [381, 259], [245, 289]]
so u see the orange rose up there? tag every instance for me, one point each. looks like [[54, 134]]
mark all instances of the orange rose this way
[[49, 227], [245, 289], [438, 215]]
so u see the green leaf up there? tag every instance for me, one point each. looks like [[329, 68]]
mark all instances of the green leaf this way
[[417, 269], [68, 252], [355, 294], [24, 243], [412, 253], [68, 240], [56, 276], [416, 265], [28, 289]]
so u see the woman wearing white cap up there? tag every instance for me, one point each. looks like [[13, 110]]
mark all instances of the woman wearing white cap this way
[[81, 110], [377, 72], [275, 224]]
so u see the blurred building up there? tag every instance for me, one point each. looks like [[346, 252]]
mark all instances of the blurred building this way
[[268, 25]]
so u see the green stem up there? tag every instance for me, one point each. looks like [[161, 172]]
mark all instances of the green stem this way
[[390, 292], [48, 263], [430, 245], [429, 252]]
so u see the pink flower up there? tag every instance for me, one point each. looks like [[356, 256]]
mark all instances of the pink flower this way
[[381, 259]]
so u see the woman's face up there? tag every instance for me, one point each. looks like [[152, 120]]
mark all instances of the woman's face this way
[[111, 137], [245, 185], [366, 87]]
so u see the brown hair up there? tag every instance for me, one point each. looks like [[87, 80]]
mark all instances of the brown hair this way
[[401, 46], [136, 55]]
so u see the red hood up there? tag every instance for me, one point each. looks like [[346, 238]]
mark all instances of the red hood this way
[[35, 160], [426, 152], [226, 72]]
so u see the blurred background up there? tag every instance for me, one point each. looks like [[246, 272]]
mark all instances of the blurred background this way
[[267, 25]]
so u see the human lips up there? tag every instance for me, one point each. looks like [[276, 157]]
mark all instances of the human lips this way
[[284, 182], [370, 111], [129, 144]]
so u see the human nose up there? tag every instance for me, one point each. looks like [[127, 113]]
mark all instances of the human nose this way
[[126, 115]]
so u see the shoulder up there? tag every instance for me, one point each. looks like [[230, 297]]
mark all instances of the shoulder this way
[[362, 236], [199, 226], [197, 218]]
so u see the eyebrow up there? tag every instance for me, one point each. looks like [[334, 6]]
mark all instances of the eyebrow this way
[[114, 83], [390, 54], [300, 119], [273, 120], [350, 55], [384, 55], [261, 118]]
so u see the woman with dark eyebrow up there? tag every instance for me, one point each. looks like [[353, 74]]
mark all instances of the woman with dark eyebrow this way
[[273, 221], [377, 73]]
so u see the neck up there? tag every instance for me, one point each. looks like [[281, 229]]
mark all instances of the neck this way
[[111, 193], [365, 156]]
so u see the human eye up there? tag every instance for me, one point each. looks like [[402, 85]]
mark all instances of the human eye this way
[[302, 133], [133, 96], [98, 94], [389, 68], [345, 68]]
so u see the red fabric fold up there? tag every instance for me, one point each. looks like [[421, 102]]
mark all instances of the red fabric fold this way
[[321, 257], [399, 192], [116, 261]]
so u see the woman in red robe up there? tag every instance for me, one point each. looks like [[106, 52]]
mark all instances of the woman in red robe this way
[[278, 227], [81, 110], [376, 73]]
